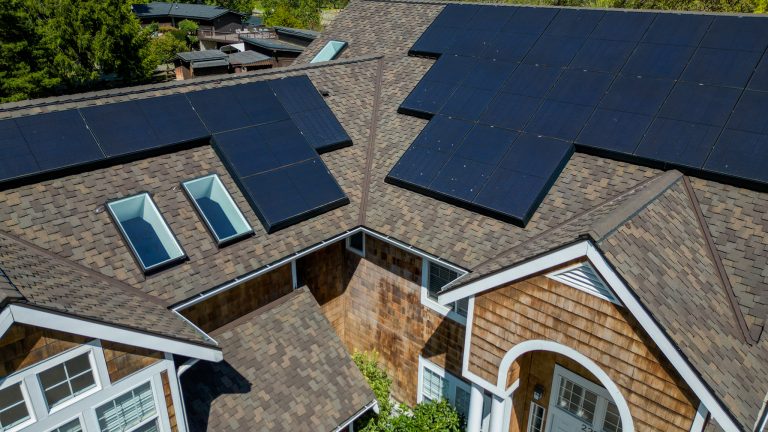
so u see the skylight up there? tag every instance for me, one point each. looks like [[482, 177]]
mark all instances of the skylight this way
[[145, 231], [218, 210], [330, 51]]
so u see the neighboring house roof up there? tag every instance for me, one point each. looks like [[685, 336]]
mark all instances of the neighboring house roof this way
[[306, 34], [195, 56], [45, 280], [274, 45], [285, 354], [365, 88], [247, 57], [180, 10]]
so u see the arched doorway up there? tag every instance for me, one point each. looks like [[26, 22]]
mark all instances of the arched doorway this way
[[551, 387]]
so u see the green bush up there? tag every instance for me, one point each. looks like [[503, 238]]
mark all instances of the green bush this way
[[429, 416]]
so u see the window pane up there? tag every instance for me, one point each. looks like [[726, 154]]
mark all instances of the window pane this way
[[435, 387], [462, 403], [612, 421], [13, 410], [78, 365], [57, 394], [461, 307], [73, 426], [82, 383], [53, 376], [439, 277], [536, 422], [577, 400], [149, 427]]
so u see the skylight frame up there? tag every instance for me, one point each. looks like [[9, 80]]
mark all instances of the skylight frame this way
[[217, 183], [171, 244], [330, 51]]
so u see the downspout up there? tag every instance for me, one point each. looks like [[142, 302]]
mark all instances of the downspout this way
[[183, 368]]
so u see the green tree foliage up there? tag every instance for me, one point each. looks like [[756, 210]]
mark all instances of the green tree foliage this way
[[429, 416], [292, 13], [164, 45], [57, 46]]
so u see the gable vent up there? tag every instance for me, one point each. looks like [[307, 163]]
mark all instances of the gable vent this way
[[584, 277]]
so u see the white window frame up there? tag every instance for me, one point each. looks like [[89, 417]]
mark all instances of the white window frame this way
[[445, 311], [348, 243], [603, 395], [69, 355], [160, 413], [27, 403], [452, 381], [531, 412], [78, 417]]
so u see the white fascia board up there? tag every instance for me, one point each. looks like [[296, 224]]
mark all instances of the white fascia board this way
[[55, 321], [523, 270], [626, 296], [681, 365], [6, 320]]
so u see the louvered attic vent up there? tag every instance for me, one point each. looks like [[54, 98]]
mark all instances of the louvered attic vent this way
[[584, 277]]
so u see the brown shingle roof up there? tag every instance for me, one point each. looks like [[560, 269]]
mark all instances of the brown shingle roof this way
[[285, 369], [51, 282], [366, 86]]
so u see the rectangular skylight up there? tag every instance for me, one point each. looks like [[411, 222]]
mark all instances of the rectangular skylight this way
[[145, 231], [330, 51], [218, 210]]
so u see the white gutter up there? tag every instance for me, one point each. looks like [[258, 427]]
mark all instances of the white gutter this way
[[183, 368], [372, 404]]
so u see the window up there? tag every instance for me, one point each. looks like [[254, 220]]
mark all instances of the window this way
[[536, 418], [70, 426], [436, 383], [145, 231], [330, 51], [67, 380], [356, 243], [577, 400], [13, 407], [132, 411], [212, 201], [612, 422], [435, 277]]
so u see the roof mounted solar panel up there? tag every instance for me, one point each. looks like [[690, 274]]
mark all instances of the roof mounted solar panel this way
[[554, 51], [623, 26], [297, 94], [233, 107], [575, 22], [293, 193], [678, 143], [614, 131], [17, 158], [59, 139], [721, 67], [602, 55], [737, 33], [741, 155], [677, 29]]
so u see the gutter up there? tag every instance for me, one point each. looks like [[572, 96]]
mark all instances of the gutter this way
[[372, 404]]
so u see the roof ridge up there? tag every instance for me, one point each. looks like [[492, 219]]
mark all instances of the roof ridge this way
[[637, 200], [371, 150], [27, 104], [569, 221], [89, 272], [714, 255]]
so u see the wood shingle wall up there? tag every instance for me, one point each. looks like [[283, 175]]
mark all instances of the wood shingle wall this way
[[23, 346], [540, 308]]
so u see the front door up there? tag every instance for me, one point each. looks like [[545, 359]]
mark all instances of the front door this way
[[579, 405]]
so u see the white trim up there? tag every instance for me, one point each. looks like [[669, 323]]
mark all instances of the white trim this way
[[700, 420], [443, 310], [6, 320], [543, 345], [156, 397], [535, 405], [597, 288], [666, 346], [27, 399], [78, 417], [452, 380], [623, 293], [54, 321], [66, 356], [176, 394], [525, 269], [348, 244]]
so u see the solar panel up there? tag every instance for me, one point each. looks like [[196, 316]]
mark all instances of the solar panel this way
[[602, 55], [59, 139], [260, 103], [218, 109], [658, 61], [17, 159], [624, 26], [740, 154], [322, 129], [749, 114], [700, 104], [297, 94], [631, 85], [678, 143], [260, 148], [614, 131], [721, 67], [574, 22], [434, 41], [555, 51], [559, 120], [293, 193], [677, 29], [172, 119]]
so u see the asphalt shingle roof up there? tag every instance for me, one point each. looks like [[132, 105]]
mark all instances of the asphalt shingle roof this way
[[179, 10], [284, 355], [65, 216]]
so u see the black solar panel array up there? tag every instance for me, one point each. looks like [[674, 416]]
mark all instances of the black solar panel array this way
[[663, 89], [268, 134]]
